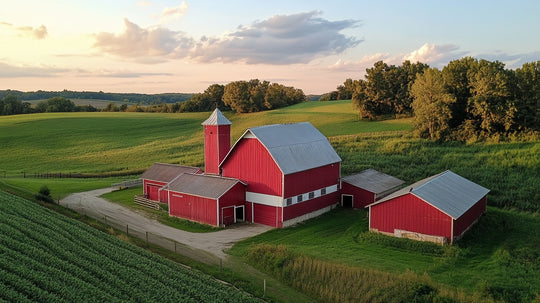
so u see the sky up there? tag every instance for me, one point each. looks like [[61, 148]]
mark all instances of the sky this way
[[150, 46]]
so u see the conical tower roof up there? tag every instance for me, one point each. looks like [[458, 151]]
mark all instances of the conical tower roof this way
[[217, 118]]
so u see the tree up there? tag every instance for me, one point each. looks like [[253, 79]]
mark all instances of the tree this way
[[456, 77], [345, 91], [236, 96], [431, 105], [528, 108], [492, 102]]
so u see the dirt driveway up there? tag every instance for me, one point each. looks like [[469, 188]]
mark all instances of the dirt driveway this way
[[91, 204]]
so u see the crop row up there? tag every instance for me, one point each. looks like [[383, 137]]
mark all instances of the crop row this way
[[48, 257]]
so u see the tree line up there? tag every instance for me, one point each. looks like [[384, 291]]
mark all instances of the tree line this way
[[12, 105], [467, 98], [119, 97]]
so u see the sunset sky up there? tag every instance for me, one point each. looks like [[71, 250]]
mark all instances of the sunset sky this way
[[184, 46]]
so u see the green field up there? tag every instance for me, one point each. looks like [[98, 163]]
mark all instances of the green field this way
[[47, 257], [499, 259], [105, 142]]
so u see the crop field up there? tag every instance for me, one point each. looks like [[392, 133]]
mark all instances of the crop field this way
[[50, 258]]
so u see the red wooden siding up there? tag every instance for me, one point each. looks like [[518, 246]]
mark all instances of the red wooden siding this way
[[310, 180], [193, 208], [151, 189], [251, 163], [361, 197], [306, 207], [217, 142], [410, 213], [462, 223], [267, 215], [236, 196]]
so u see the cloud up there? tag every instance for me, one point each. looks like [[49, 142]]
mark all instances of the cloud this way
[[13, 71], [281, 39], [144, 3], [28, 31], [435, 55], [174, 12], [511, 60], [148, 45]]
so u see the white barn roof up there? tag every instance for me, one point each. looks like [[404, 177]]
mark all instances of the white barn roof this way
[[447, 191], [373, 181], [294, 147], [202, 185], [217, 118]]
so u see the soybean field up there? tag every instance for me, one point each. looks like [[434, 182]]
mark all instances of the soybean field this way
[[46, 257]]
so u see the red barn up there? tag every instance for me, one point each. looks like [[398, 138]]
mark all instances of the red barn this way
[[291, 171], [439, 209], [159, 175], [207, 199], [366, 187]]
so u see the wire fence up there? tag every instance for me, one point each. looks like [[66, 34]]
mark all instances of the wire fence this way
[[73, 175]]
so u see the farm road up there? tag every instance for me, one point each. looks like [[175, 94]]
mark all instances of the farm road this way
[[195, 244]]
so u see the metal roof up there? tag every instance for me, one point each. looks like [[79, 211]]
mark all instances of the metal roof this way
[[295, 147], [217, 118], [166, 172], [202, 185], [373, 181], [447, 191]]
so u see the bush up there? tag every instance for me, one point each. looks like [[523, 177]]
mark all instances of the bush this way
[[44, 195]]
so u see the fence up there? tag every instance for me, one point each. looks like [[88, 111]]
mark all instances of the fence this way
[[60, 175]]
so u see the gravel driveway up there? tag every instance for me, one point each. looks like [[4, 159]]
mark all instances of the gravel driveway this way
[[192, 244]]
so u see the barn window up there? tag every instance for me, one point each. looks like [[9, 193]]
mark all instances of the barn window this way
[[323, 191], [311, 195], [299, 198], [289, 201]]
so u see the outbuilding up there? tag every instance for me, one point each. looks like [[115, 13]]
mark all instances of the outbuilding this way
[[208, 199], [440, 208], [366, 187], [291, 171], [158, 175]]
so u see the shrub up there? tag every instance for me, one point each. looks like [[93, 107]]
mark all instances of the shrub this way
[[44, 195]]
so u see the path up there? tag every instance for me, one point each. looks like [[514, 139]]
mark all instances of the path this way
[[91, 204]]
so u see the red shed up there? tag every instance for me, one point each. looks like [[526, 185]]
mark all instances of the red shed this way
[[366, 187], [438, 209], [291, 171], [159, 175], [207, 199]]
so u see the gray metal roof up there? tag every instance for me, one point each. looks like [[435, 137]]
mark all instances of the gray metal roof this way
[[447, 191], [373, 181], [202, 185], [217, 118], [166, 172], [295, 147]]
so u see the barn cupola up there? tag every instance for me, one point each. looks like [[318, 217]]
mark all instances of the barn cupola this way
[[217, 141]]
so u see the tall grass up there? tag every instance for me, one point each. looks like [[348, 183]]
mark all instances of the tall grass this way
[[334, 282]]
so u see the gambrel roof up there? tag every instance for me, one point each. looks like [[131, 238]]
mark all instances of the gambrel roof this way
[[447, 191], [294, 147]]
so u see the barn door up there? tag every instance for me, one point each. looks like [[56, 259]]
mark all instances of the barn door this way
[[153, 192]]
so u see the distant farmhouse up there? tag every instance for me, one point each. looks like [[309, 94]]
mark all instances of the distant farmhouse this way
[[276, 175]]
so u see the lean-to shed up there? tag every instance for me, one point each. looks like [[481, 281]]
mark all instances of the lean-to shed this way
[[158, 175], [366, 187]]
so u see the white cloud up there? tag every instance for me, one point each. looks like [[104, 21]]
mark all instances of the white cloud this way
[[20, 71], [174, 12], [145, 45], [435, 55]]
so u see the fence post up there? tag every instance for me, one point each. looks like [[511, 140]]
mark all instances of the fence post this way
[[127, 229], [105, 218], [264, 288], [220, 264], [147, 239], [175, 247]]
